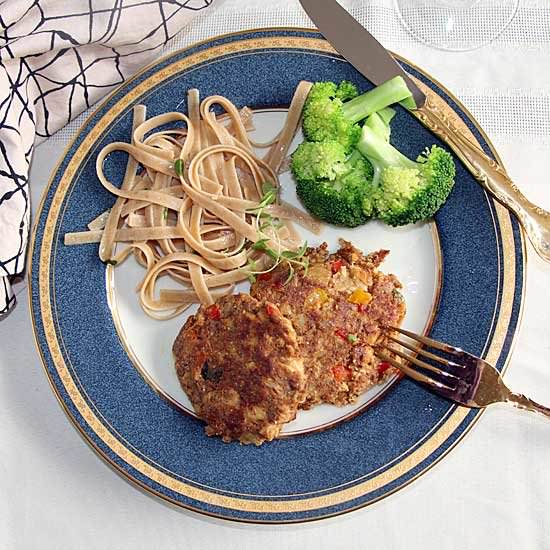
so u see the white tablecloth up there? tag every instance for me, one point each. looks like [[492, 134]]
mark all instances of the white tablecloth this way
[[492, 491]]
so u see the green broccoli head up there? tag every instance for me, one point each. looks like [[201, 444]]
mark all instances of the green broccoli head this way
[[410, 195], [333, 186], [319, 160], [346, 90], [324, 118], [407, 191], [343, 91], [332, 111]]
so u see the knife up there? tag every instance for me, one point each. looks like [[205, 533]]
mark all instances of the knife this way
[[373, 61]]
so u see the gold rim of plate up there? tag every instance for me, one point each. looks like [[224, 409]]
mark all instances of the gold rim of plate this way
[[493, 347]]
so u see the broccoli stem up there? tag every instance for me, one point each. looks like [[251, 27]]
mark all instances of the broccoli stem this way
[[381, 153], [387, 114], [409, 103], [355, 156], [377, 124], [392, 91]]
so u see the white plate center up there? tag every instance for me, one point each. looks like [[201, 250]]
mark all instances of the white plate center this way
[[414, 258]]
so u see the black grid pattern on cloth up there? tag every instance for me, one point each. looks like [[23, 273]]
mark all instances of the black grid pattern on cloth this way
[[57, 58]]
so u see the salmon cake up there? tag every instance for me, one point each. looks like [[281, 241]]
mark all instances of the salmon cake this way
[[239, 362], [338, 307]]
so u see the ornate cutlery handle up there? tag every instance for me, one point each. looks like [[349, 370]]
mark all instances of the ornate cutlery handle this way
[[521, 402], [490, 175]]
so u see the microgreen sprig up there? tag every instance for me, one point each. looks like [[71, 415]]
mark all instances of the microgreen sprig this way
[[292, 258], [178, 167]]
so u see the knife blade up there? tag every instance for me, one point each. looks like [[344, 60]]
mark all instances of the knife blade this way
[[357, 45]]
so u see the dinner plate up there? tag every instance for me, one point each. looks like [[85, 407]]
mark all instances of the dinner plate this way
[[111, 367]]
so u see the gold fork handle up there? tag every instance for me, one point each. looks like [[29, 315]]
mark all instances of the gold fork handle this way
[[490, 175], [522, 402]]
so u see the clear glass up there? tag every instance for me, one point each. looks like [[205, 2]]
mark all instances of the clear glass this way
[[456, 25]]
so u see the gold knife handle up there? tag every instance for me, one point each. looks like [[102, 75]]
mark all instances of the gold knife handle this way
[[490, 175]]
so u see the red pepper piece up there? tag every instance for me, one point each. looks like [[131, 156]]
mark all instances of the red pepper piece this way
[[341, 373], [214, 312], [341, 333], [383, 366], [336, 266], [361, 308], [271, 310]]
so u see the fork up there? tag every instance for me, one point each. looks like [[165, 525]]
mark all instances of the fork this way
[[466, 379]]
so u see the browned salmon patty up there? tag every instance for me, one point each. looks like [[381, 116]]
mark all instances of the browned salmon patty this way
[[338, 309], [239, 362]]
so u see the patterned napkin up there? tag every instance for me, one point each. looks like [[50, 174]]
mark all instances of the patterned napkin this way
[[56, 59]]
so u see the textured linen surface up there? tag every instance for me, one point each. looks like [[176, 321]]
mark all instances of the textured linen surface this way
[[491, 492], [57, 58]]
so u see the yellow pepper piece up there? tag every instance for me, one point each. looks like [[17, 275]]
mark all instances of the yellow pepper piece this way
[[360, 297], [316, 298]]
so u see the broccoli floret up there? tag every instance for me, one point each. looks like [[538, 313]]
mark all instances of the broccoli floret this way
[[346, 90], [407, 191], [332, 185], [331, 111], [323, 114]]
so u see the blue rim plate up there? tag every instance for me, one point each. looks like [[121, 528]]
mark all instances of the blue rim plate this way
[[295, 479]]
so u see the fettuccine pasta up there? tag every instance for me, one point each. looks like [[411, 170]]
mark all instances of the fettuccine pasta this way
[[197, 205]]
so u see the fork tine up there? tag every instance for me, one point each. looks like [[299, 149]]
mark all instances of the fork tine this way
[[419, 363], [422, 351], [415, 375], [428, 341]]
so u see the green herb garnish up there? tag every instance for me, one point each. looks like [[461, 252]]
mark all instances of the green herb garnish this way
[[273, 254], [266, 222], [178, 167], [251, 270], [267, 186], [260, 245]]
